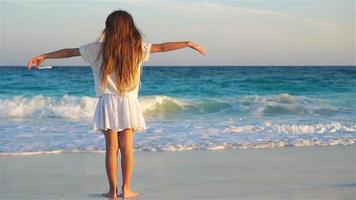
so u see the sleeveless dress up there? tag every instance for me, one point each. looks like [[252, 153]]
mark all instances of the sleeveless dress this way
[[118, 112], [113, 111]]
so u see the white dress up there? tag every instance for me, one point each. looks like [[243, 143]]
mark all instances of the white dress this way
[[115, 112], [118, 113]]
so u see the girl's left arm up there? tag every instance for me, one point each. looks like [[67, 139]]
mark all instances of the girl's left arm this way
[[170, 46], [63, 53]]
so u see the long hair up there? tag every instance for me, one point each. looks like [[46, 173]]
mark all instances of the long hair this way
[[121, 51]]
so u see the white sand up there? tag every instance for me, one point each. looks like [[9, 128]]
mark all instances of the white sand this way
[[281, 173]]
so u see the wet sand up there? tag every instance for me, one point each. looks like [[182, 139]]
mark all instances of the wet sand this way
[[318, 172]]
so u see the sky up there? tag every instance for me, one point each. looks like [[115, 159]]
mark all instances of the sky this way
[[279, 32]]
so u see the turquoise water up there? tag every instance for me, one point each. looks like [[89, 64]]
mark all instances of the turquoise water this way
[[185, 108]]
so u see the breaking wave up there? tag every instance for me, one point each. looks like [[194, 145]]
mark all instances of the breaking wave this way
[[75, 107]]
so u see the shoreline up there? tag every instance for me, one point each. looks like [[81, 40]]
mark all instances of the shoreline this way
[[217, 148], [313, 172]]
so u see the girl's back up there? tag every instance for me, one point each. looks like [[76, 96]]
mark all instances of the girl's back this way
[[114, 111], [89, 52]]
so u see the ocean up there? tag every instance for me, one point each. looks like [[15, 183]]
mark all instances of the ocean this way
[[185, 108]]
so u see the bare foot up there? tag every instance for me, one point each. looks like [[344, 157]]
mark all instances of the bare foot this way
[[110, 194], [128, 194]]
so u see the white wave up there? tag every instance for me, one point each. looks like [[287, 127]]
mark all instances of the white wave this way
[[74, 107], [212, 147], [32, 153], [287, 104], [280, 98], [162, 106], [244, 129], [68, 107], [318, 128]]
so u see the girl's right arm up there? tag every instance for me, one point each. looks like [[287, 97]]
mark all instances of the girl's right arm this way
[[170, 46], [63, 53]]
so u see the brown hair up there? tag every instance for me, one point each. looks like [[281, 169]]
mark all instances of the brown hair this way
[[121, 50]]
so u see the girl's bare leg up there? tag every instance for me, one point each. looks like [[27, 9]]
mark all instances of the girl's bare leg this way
[[127, 161], [112, 147]]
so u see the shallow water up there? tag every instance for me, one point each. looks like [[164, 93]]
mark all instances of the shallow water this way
[[185, 108]]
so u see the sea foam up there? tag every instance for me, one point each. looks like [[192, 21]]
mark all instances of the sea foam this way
[[76, 108], [82, 107]]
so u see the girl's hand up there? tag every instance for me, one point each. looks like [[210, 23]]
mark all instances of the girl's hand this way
[[197, 47], [38, 60]]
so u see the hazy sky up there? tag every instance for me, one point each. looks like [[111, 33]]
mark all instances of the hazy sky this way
[[280, 32]]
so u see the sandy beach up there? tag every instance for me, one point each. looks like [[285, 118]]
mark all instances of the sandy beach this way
[[319, 172]]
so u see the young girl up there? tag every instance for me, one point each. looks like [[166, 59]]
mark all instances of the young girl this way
[[116, 63]]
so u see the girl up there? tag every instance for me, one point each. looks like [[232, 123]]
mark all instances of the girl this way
[[116, 64]]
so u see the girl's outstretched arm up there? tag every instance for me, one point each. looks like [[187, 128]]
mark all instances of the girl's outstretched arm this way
[[170, 46], [63, 53]]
